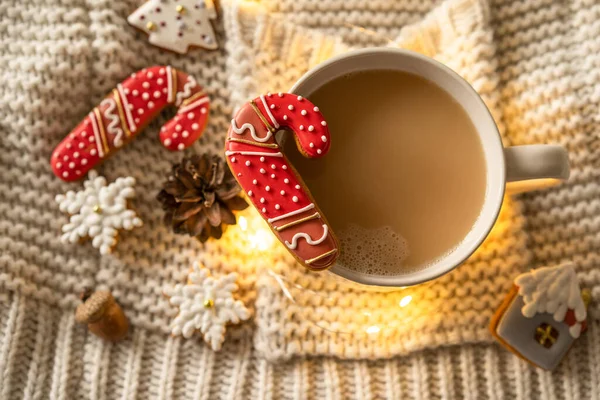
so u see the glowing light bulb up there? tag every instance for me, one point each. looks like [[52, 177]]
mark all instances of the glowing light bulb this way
[[405, 300], [261, 240], [243, 223]]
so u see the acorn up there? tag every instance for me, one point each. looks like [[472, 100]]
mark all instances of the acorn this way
[[103, 316]]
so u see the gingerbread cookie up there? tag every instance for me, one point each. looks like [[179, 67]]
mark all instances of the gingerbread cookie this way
[[544, 313], [126, 111], [271, 183], [177, 25]]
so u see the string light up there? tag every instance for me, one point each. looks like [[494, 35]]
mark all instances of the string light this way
[[405, 301]]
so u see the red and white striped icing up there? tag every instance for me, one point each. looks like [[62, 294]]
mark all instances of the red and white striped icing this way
[[125, 111], [271, 183]]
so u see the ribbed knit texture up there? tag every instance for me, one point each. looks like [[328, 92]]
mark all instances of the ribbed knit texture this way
[[535, 63]]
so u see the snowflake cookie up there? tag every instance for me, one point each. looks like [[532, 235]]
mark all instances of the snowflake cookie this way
[[98, 211], [177, 25], [206, 304]]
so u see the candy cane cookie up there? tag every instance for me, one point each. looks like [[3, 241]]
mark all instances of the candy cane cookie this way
[[125, 111], [271, 183]]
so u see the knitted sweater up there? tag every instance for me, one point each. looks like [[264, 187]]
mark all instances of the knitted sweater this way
[[534, 62]]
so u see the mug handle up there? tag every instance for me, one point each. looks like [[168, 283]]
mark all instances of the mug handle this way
[[534, 167]]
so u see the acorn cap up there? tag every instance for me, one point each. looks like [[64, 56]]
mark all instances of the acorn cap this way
[[93, 307]]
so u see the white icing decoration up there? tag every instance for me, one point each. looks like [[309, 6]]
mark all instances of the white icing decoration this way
[[553, 290], [169, 83], [273, 120], [194, 316], [291, 213], [192, 29], [102, 225], [127, 108], [247, 125], [253, 153], [114, 126], [187, 91], [193, 105], [96, 135], [308, 239]]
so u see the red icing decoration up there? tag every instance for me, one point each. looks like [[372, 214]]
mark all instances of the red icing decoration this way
[[128, 109], [570, 320], [272, 184]]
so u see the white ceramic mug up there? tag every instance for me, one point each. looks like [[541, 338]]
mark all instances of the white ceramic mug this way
[[515, 169]]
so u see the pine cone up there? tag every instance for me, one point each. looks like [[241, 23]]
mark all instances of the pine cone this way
[[199, 197]]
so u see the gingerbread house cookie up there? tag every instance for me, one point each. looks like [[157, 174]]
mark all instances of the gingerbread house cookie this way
[[542, 316]]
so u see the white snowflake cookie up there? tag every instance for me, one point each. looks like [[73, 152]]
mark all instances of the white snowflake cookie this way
[[98, 211], [206, 304], [177, 25]]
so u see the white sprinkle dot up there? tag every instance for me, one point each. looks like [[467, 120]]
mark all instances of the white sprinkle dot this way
[[297, 186], [273, 166], [290, 107], [137, 120], [248, 163], [311, 128], [255, 182], [272, 107], [93, 152], [319, 151], [167, 142], [92, 139], [156, 94], [76, 154], [262, 199], [280, 94], [250, 193], [232, 159], [262, 171], [284, 167], [159, 81], [135, 92], [264, 210], [273, 176], [126, 91], [145, 96], [81, 145], [311, 145], [68, 145], [150, 75], [324, 123], [185, 134], [150, 104], [58, 165], [324, 138], [286, 180], [295, 199], [262, 159], [267, 188], [180, 146], [191, 115], [83, 161], [203, 110], [303, 112], [277, 206], [301, 127], [84, 133], [299, 98], [316, 109], [165, 90], [140, 111], [130, 106], [161, 71], [195, 126], [65, 174], [282, 192], [285, 117], [145, 85], [178, 127]]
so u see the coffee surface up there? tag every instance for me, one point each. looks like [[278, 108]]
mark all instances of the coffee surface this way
[[405, 177]]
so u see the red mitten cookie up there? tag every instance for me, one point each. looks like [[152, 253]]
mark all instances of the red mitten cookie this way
[[271, 183], [126, 111]]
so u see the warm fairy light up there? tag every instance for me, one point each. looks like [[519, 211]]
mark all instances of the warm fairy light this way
[[405, 300], [261, 239], [243, 223], [373, 330]]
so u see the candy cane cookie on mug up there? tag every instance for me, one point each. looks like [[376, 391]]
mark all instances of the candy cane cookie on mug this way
[[272, 184], [126, 111]]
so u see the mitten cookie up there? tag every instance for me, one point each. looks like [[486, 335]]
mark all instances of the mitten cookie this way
[[271, 183], [126, 111], [544, 313]]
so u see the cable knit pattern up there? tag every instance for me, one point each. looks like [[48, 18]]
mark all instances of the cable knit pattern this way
[[534, 62]]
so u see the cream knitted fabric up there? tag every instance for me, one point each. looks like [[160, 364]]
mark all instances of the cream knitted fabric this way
[[535, 64]]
